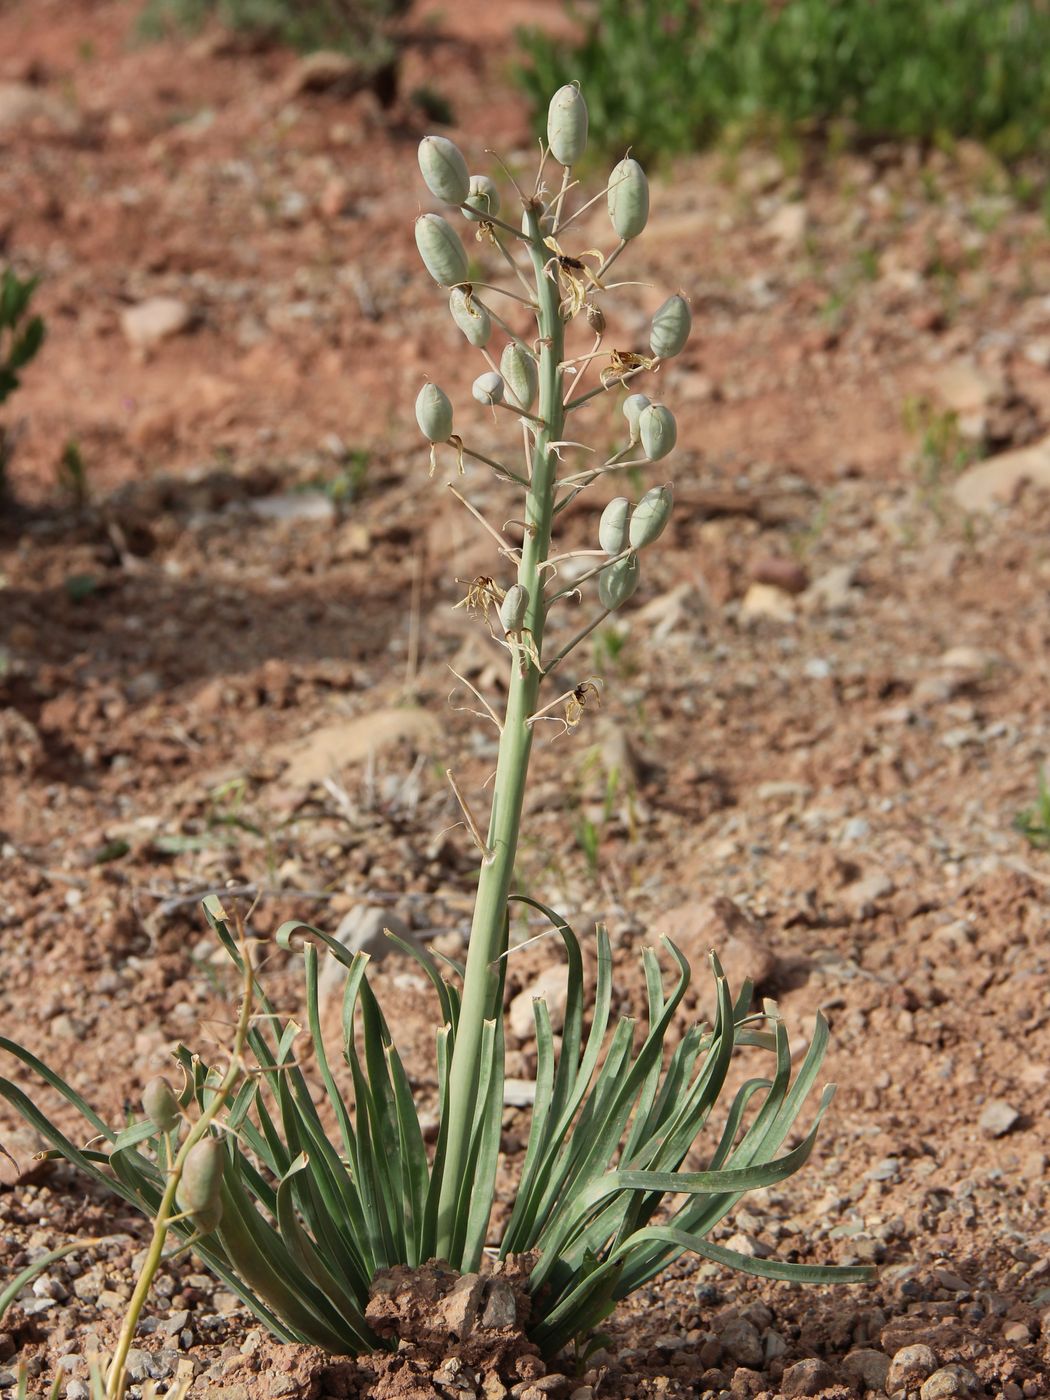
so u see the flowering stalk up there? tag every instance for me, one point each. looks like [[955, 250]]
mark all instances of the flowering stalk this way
[[488, 928], [561, 288]]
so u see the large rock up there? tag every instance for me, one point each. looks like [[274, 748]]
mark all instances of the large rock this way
[[722, 926], [999, 480], [362, 930], [324, 752]]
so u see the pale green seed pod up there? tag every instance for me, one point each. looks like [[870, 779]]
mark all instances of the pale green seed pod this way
[[488, 388], [513, 608], [443, 169], [441, 251], [483, 196], [650, 516], [671, 327], [658, 431], [434, 413], [612, 527], [161, 1105], [199, 1192], [633, 405], [628, 198], [519, 371], [470, 316], [618, 582], [567, 125]]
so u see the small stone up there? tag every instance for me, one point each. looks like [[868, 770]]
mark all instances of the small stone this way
[[137, 1364], [889, 1169], [550, 986], [1000, 480], [788, 225], [741, 1341], [868, 1366], [997, 1118], [174, 1324], [28, 108], [362, 930], [1017, 1333], [296, 507], [77, 1390], [47, 1286], [152, 321], [861, 899], [325, 71], [950, 1381], [748, 1246], [8, 1346], [833, 592], [746, 1383], [519, 1093], [501, 1309], [458, 1310], [764, 603], [807, 1377], [786, 574], [773, 1345], [910, 1365]]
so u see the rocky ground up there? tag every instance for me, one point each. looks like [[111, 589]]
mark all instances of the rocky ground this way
[[224, 664]]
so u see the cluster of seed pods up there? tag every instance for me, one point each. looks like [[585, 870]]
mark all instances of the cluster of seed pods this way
[[652, 430]]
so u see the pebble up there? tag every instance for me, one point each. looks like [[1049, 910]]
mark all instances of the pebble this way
[[950, 1381], [1017, 1333], [550, 986], [741, 1341], [154, 320], [77, 1390], [869, 1366], [997, 1118], [808, 1377], [909, 1365]]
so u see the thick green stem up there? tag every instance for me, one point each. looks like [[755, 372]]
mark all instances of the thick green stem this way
[[490, 909]]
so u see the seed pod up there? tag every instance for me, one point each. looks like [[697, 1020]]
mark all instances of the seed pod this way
[[567, 125], [513, 608], [612, 527], [628, 198], [441, 251], [199, 1192], [671, 327], [519, 371], [488, 388], [632, 408], [658, 431], [470, 316], [650, 516], [444, 170], [483, 196], [434, 413], [160, 1104], [618, 582], [595, 318]]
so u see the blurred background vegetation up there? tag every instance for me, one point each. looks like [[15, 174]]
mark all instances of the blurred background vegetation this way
[[667, 76], [354, 26]]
